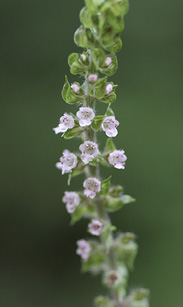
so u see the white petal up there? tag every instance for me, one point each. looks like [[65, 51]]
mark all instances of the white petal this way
[[112, 132], [58, 165]]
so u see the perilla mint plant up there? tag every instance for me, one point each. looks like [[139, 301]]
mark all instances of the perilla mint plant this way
[[106, 250]]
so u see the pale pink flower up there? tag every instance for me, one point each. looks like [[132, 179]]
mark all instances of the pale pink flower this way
[[92, 78], [108, 61], [66, 122], [109, 88], [83, 249], [75, 88], [89, 151], [67, 162], [117, 158], [85, 115], [92, 186], [109, 126], [95, 227], [72, 200]]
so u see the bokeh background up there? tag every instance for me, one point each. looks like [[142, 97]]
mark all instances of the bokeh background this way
[[38, 263]]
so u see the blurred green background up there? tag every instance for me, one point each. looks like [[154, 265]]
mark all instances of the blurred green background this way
[[38, 263]]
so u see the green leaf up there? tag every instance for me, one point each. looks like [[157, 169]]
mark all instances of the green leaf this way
[[111, 97], [99, 57], [94, 263], [97, 122], [65, 88], [77, 68], [83, 210], [105, 186], [113, 204], [112, 68], [109, 146], [71, 133], [81, 37], [92, 5], [73, 57], [116, 191], [98, 88], [140, 294], [102, 301], [86, 18], [113, 44]]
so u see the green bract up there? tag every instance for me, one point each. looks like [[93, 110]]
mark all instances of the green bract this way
[[69, 95], [97, 122]]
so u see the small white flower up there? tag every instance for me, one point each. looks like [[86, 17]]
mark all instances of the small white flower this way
[[109, 88], [92, 186], [83, 56], [67, 162], [117, 158], [92, 78], [83, 249], [89, 151], [108, 61], [85, 115], [95, 227], [109, 126], [72, 200], [75, 88], [66, 122]]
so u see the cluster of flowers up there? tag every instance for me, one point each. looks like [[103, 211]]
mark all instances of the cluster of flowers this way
[[89, 151]]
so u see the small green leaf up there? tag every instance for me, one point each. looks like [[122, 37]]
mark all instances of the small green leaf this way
[[86, 18], [71, 133], [116, 191], [114, 204], [80, 37], [83, 210], [65, 88], [112, 68], [92, 5], [111, 97], [140, 294], [114, 44], [99, 57], [105, 186], [73, 58], [97, 122], [98, 88], [102, 301], [94, 263], [109, 146]]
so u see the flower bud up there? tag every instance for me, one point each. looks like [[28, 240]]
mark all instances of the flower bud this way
[[109, 88], [92, 78], [108, 61], [75, 88]]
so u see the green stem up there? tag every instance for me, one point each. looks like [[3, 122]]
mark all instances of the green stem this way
[[94, 171]]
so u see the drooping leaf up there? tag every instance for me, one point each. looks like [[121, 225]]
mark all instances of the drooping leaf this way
[[113, 204], [73, 57], [105, 186], [111, 97], [71, 133], [109, 146], [97, 122]]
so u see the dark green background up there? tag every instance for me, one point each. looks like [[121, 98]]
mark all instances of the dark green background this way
[[38, 265]]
